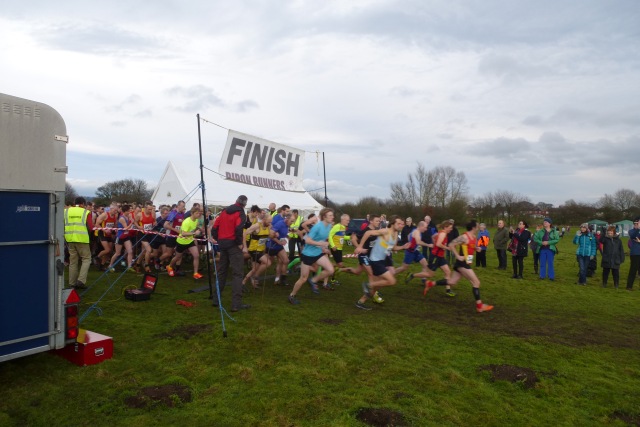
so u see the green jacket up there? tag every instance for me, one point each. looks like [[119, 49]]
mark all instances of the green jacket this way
[[554, 238], [501, 238]]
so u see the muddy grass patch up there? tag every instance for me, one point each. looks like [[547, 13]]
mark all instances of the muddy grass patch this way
[[629, 419], [515, 374], [185, 331], [380, 417], [334, 322], [169, 395]]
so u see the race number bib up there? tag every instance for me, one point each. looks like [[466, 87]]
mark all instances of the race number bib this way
[[148, 227], [469, 259], [342, 240], [262, 242]]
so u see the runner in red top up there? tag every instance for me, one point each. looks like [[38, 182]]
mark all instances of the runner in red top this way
[[146, 220], [464, 249], [107, 219]]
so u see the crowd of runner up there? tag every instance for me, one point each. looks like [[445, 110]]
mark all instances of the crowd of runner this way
[[147, 238]]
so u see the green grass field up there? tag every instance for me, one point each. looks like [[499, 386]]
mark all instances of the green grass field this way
[[549, 354]]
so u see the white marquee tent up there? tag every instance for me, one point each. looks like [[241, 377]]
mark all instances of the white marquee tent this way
[[181, 182]]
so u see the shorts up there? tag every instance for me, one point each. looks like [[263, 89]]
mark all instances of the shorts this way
[[379, 267], [364, 260], [461, 264], [310, 260], [437, 262], [337, 255], [149, 238], [157, 242], [255, 255], [412, 256], [180, 248], [121, 240], [170, 241], [274, 251], [388, 261], [103, 238]]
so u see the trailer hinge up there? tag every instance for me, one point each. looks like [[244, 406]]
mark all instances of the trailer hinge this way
[[64, 169], [61, 138]]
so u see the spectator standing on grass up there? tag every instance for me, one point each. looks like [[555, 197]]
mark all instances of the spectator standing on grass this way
[[500, 243], [586, 251], [482, 245], [612, 256], [227, 230], [634, 253], [534, 250], [406, 230], [519, 248], [547, 238], [77, 223]]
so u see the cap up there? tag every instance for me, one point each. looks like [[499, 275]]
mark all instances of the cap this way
[[547, 219]]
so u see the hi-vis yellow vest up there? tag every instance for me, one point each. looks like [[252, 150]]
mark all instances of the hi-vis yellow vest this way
[[75, 225], [295, 226]]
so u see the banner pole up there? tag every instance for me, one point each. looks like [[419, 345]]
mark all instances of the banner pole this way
[[204, 209], [324, 172]]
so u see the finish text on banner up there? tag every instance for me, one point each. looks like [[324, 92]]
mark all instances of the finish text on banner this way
[[257, 161]]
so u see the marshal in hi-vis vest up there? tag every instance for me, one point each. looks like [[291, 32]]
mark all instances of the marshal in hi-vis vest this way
[[75, 225]]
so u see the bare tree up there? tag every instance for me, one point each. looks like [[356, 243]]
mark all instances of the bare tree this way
[[438, 187], [130, 190], [70, 194], [621, 204], [510, 204]]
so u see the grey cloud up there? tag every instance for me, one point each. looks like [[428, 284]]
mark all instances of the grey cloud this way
[[404, 91], [130, 100], [118, 124], [246, 105], [581, 117], [200, 98], [144, 113], [502, 147], [98, 38]]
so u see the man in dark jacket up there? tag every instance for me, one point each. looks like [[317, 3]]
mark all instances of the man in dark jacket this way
[[634, 253], [227, 230], [500, 242]]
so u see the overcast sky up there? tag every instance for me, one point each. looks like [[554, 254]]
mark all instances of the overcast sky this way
[[539, 98]]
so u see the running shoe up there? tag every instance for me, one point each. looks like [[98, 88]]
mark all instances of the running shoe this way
[[180, 273], [408, 278], [328, 287], [483, 307], [170, 271], [314, 287], [361, 306], [377, 298], [450, 293], [293, 300], [335, 283], [131, 269], [197, 276], [111, 270], [428, 284]]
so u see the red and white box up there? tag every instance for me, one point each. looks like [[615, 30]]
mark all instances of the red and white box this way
[[90, 349]]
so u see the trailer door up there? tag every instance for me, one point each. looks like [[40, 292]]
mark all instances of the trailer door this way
[[26, 318]]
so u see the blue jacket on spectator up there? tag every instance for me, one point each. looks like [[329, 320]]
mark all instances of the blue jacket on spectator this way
[[586, 244], [634, 234]]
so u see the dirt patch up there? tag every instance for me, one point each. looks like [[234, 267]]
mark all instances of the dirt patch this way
[[169, 395], [629, 419], [185, 331], [380, 417], [515, 374], [334, 322]]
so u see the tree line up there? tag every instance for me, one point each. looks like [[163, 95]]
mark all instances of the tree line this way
[[441, 192]]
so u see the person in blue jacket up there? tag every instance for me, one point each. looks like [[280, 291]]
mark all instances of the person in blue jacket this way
[[586, 251]]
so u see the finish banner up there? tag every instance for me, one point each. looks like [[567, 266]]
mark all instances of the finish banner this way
[[256, 161]]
